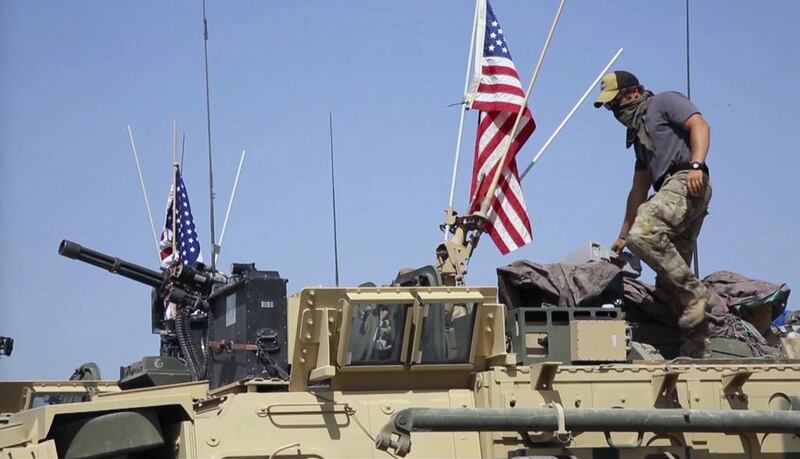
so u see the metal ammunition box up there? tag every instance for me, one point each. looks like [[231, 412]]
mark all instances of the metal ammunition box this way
[[598, 340], [251, 311], [153, 371], [545, 334]]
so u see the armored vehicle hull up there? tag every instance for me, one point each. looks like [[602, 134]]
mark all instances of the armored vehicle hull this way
[[425, 400]]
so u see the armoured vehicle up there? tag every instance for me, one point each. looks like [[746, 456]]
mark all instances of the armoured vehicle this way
[[424, 367]]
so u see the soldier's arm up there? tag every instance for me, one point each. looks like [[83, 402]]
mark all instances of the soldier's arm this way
[[699, 140], [637, 195], [699, 136]]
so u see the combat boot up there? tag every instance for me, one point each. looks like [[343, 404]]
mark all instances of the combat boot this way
[[693, 314], [696, 347], [696, 342]]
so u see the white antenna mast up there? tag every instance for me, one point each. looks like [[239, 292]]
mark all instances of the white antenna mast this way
[[463, 109], [569, 115], [230, 203], [144, 191]]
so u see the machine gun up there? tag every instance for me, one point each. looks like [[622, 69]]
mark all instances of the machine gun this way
[[179, 300], [178, 285], [196, 311], [224, 328]]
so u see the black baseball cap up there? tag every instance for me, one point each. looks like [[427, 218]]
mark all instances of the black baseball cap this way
[[611, 83]]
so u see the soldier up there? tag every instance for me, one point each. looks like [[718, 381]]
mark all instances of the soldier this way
[[670, 139]]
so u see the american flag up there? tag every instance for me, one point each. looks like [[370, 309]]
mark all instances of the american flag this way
[[497, 92], [188, 247]]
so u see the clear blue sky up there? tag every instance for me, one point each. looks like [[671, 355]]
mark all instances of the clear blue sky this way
[[73, 75]]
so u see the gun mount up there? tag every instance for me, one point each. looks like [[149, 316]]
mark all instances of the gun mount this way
[[205, 319], [179, 302], [452, 256]]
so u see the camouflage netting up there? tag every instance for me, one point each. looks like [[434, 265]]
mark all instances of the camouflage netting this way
[[733, 296]]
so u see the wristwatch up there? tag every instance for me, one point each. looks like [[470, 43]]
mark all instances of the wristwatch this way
[[696, 166]]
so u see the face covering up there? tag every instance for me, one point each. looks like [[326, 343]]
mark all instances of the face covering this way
[[631, 115]]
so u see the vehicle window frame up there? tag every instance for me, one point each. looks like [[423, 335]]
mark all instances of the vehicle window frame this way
[[349, 308]]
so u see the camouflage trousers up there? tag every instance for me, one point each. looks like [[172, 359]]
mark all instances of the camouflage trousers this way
[[664, 235]]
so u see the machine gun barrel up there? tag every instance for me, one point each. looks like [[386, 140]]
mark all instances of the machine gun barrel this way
[[115, 265]]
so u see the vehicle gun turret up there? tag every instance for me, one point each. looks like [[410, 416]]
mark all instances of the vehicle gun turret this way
[[179, 306], [204, 318]]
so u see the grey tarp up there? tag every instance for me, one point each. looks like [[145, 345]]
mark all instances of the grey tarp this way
[[758, 302], [524, 283]]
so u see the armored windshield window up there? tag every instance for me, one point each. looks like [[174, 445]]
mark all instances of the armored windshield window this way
[[447, 333], [376, 334]]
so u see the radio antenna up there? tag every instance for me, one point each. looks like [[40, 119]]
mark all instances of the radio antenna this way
[[333, 196], [230, 203], [183, 148], [144, 192], [214, 247], [689, 95], [688, 73]]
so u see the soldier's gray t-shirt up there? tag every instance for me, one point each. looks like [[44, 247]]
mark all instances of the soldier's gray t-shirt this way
[[666, 114]]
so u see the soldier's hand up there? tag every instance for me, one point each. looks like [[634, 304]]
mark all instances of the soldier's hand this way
[[617, 246], [696, 182]]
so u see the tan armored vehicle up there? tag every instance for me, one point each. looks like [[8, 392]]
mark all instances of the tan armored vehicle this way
[[416, 369]]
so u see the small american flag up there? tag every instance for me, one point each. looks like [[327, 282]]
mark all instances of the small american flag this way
[[188, 247], [497, 92]]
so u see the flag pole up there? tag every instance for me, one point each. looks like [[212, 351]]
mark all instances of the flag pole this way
[[144, 191], [461, 117], [487, 200], [174, 188], [230, 203], [569, 115]]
